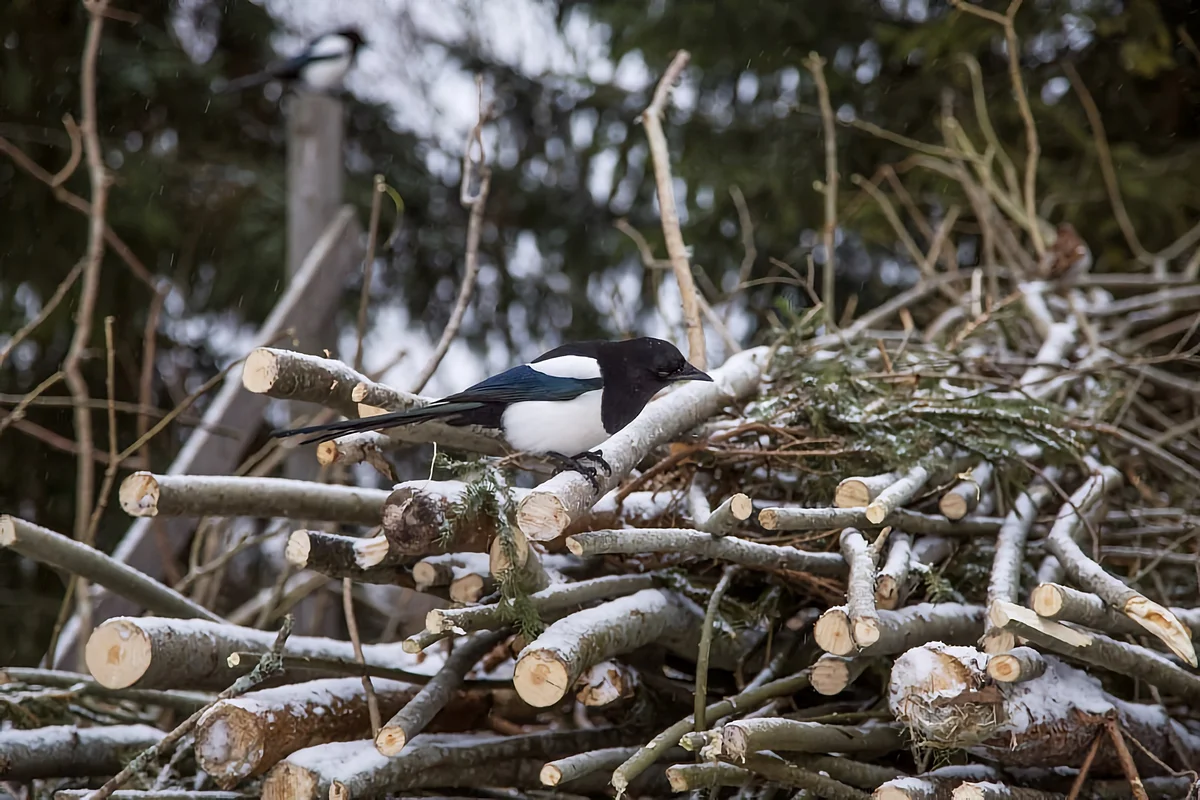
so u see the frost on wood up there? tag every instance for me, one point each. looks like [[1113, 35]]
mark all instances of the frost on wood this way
[[901, 629], [1089, 575], [441, 570], [945, 697], [144, 494], [61, 552], [160, 653], [548, 511], [246, 736], [68, 751], [725, 548], [550, 665], [552, 599]]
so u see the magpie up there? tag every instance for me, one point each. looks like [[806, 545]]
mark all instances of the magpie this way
[[560, 405], [320, 66]]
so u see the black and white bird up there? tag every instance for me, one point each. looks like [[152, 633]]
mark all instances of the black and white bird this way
[[319, 67], [562, 404]]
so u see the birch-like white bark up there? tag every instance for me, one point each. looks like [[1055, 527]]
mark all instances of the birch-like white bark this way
[[792, 518], [893, 575], [963, 498], [902, 629], [897, 494], [1065, 604], [860, 588], [858, 492], [550, 508], [68, 751], [743, 737]]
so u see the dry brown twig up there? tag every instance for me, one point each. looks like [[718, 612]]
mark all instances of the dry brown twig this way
[[816, 65], [652, 120]]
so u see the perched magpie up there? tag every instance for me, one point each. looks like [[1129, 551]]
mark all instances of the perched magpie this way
[[562, 404], [320, 66]]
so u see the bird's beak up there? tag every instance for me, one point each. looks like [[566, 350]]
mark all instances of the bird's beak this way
[[690, 373]]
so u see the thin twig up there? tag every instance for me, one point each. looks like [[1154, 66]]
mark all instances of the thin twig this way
[[474, 168], [816, 65], [149, 347], [47, 310], [706, 636], [356, 641], [368, 269], [676, 250]]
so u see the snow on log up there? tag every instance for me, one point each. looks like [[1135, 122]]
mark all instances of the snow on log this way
[[945, 697], [901, 629], [555, 598], [68, 751], [1018, 664], [965, 495], [1065, 604], [336, 556], [860, 588], [145, 494], [1097, 650], [548, 511], [741, 738], [799, 518], [61, 552], [725, 548], [245, 736], [287, 375], [1089, 575], [162, 653], [1005, 581], [832, 674], [858, 492], [548, 667], [358, 770], [355, 448]]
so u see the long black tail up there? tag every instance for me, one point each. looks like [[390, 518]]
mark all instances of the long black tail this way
[[245, 82], [391, 419]]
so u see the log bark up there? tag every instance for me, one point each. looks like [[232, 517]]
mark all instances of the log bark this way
[[742, 738], [548, 511], [415, 715], [358, 770], [945, 697], [795, 518], [860, 588], [61, 552], [777, 770], [726, 548], [1005, 581], [707, 775], [336, 556], [287, 375], [552, 599], [1097, 650], [549, 666], [1089, 575], [160, 653], [144, 494], [858, 492], [902, 629], [893, 575], [68, 751], [605, 759], [244, 737], [1064, 604]]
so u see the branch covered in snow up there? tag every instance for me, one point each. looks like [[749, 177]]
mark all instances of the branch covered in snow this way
[[68, 751], [860, 588], [144, 494], [548, 511], [1005, 581], [726, 548], [338, 556], [901, 629], [56, 550]]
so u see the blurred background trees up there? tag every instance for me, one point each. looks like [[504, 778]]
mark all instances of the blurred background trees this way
[[199, 191]]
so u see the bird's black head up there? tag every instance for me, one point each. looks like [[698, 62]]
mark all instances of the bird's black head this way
[[353, 35], [651, 363]]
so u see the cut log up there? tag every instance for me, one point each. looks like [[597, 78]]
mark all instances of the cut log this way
[[1018, 664], [858, 492], [860, 588], [605, 683], [832, 674], [742, 738], [901, 629], [337, 556], [963, 498], [1064, 604]]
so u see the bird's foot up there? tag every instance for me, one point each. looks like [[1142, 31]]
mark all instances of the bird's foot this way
[[579, 464]]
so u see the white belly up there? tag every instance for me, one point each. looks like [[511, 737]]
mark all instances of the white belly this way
[[569, 428], [326, 75]]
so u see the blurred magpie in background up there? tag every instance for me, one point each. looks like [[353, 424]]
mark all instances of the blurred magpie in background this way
[[320, 66], [561, 405]]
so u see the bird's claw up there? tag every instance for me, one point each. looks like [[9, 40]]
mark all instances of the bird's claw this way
[[598, 458], [577, 464]]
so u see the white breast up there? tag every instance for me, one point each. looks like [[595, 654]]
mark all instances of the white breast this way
[[325, 75], [569, 428]]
